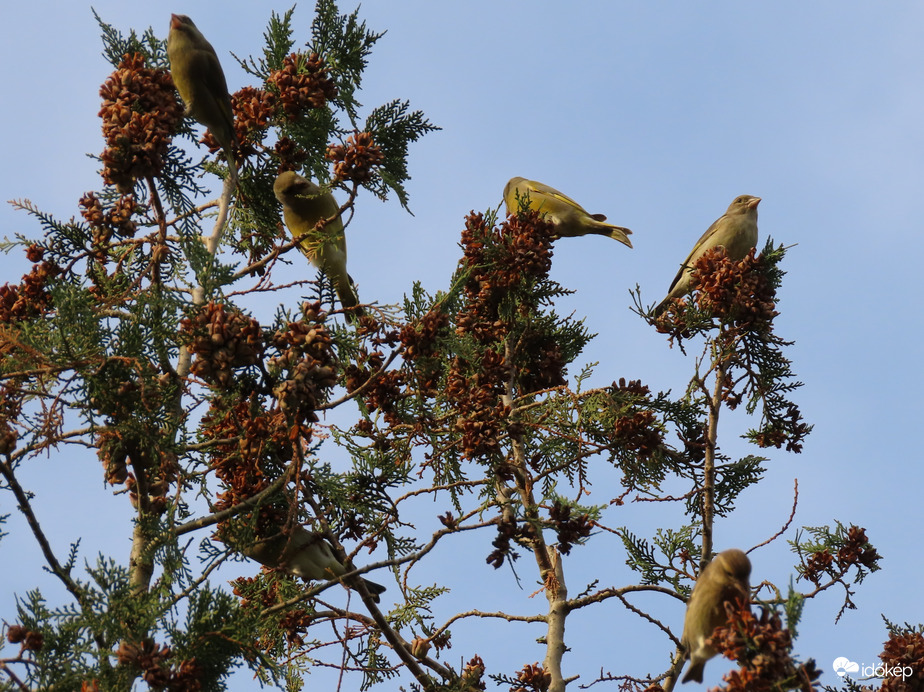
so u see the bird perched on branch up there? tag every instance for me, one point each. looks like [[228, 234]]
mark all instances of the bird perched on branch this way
[[200, 80], [569, 217], [304, 205], [305, 554], [725, 579], [735, 230]]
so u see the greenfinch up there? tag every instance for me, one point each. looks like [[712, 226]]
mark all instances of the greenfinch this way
[[304, 205], [200, 80], [722, 580], [304, 554], [735, 230], [569, 217]]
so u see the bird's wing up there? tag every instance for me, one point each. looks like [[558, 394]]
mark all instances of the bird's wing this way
[[555, 194], [704, 238], [206, 63]]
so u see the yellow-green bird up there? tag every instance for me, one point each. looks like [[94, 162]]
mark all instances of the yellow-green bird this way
[[569, 217], [735, 230], [200, 80], [304, 204], [304, 554], [722, 580]]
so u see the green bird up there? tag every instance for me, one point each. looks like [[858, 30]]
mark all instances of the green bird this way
[[735, 230], [569, 217], [200, 80], [304, 554], [304, 205], [725, 579]]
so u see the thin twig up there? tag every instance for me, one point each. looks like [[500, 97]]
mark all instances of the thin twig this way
[[792, 515], [250, 502]]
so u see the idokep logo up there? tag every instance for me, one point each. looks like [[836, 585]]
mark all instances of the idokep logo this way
[[843, 665]]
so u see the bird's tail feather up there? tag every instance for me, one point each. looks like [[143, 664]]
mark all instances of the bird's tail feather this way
[[346, 291], [695, 672], [619, 233], [374, 589]]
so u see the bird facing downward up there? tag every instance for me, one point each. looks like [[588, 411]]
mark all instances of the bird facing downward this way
[[735, 230], [569, 217], [305, 554], [200, 80], [304, 204], [724, 579]]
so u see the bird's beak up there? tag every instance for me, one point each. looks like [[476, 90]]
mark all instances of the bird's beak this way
[[175, 21], [753, 203]]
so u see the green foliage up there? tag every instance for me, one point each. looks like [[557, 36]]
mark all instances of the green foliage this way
[[654, 560], [344, 42], [279, 38], [116, 46], [394, 128], [733, 479], [792, 609], [211, 633]]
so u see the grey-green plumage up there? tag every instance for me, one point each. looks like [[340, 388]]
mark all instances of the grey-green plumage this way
[[304, 204], [569, 217], [304, 554], [725, 579], [735, 230], [200, 80]]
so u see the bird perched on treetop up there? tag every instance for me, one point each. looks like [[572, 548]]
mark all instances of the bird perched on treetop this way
[[304, 204], [735, 230], [200, 80], [724, 579], [305, 554], [569, 217]]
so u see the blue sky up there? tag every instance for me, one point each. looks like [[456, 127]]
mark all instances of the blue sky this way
[[658, 115]]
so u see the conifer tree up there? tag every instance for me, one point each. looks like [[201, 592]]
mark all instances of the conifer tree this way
[[135, 335]]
